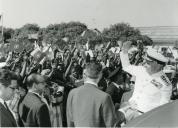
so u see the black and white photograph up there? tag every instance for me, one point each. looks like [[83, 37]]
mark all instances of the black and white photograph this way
[[89, 63]]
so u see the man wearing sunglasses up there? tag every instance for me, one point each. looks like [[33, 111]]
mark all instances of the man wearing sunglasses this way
[[152, 87], [8, 85]]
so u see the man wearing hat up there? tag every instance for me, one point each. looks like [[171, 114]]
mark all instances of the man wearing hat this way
[[152, 87]]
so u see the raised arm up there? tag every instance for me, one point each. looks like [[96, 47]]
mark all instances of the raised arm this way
[[124, 54], [107, 47], [69, 68], [52, 70], [9, 57], [69, 56], [73, 50], [126, 66], [22, 74]]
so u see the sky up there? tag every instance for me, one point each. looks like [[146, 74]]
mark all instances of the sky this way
[[94, 13]]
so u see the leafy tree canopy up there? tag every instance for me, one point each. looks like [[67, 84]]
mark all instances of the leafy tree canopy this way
[[69, 33]]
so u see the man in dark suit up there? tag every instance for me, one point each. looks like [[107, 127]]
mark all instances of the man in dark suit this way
[[33, 111], [8, 85], [87, 106]]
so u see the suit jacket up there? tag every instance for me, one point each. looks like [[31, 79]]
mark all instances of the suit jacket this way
[[126, 96], [87, 106], [6, 117], [34, 112], [115, 93]]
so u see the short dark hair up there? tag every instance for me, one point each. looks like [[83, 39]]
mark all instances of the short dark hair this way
[[6, 76], [93, 69], [33, 78]]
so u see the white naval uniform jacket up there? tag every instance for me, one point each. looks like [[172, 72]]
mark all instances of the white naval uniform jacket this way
[[150, 91]]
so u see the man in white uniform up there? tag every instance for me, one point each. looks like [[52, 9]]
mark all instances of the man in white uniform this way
[[152, 87]]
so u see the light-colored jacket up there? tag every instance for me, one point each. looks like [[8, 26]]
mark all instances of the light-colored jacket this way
[[87, 106]]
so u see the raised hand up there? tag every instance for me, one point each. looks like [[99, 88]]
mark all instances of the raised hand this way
[[126, 46]]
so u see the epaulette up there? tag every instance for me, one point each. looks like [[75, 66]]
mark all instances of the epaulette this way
[[165, 80]]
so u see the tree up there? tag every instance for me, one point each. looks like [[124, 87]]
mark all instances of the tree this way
[[55, 33], [25, 30], [7, 34], [120, 31], [75, 32], [92, 36], [146, 40], [124, 32]]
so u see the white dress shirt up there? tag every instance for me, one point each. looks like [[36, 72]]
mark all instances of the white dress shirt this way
[[90, 82], [2, 102]]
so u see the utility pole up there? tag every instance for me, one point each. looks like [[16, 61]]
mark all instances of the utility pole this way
[[2, 28]]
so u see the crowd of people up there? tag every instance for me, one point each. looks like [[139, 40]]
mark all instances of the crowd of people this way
[[77, 89]]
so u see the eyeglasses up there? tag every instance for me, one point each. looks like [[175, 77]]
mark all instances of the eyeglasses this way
[[132, 82]]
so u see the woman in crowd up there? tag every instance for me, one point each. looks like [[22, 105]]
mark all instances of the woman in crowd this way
[[64, 73]]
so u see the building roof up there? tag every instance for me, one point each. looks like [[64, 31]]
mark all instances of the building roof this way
[[161, 34]]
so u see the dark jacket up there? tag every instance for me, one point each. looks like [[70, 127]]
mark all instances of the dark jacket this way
[[87, 106], [34, 112], [6, 118], [115, 93]]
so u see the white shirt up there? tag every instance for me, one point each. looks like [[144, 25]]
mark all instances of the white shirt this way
[[2, 64], [36, 93], [118, 86], [90, 82], [150, 91], [2, 102]]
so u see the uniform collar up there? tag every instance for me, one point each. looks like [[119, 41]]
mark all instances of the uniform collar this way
[[35, 93], [118, 86], [157, 74]]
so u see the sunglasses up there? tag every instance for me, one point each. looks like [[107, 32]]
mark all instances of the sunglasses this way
[[132, 82]]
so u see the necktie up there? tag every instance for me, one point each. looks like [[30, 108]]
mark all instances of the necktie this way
[[6, 105], [10, 112], [7, 108]]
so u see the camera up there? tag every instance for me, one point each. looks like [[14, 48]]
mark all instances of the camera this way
[[56, 92]]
